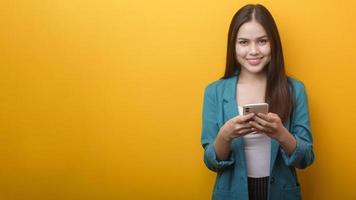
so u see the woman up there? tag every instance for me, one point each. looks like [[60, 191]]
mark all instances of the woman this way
[[260, 165]]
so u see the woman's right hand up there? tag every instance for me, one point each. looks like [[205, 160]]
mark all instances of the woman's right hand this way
[[236, 127]]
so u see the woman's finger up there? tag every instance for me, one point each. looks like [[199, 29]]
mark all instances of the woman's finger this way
[[259, 127], [243, 126], [262, 122], [245, 131], [264, 117], [244, 118]]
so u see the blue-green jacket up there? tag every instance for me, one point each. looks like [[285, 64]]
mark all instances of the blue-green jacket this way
[[231, 181]]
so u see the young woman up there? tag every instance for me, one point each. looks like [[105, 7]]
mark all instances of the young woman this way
[[260, 165]]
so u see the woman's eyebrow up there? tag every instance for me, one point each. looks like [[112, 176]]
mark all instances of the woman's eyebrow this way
[[241, 38]]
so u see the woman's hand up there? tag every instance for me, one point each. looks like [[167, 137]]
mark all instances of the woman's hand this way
[[236, 127], [270, 124], [233, 128]]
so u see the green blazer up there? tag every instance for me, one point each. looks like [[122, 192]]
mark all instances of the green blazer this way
[[231, 181]]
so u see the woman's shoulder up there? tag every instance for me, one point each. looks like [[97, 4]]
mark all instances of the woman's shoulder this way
[[215, 83], [296, 83], [298, 88], [218, 85]]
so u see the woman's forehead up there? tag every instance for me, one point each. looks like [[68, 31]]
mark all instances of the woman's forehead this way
[[251, 30]]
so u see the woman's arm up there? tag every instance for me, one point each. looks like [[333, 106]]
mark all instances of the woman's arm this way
[[222, 146], [297, 146], [210, 131], [217, 142], [287, 141]]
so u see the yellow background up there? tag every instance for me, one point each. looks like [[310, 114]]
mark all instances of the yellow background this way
[[103, 99]]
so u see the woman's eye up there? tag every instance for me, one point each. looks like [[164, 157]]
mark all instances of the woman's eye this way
[[264, 41], [242, 42]]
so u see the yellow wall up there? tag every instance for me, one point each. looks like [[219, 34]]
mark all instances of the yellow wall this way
[[102, 99]]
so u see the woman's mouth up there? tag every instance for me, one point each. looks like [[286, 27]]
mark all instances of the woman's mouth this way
[[254, 61]]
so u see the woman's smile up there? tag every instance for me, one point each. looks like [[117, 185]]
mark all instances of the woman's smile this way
[[254, 61]]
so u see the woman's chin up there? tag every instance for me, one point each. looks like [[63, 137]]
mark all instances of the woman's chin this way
[[254, 69]]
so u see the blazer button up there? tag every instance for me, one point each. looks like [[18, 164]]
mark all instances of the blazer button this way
[[272, 180]]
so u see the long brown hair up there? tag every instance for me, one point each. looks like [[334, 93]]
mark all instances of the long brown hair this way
[[277, 95]]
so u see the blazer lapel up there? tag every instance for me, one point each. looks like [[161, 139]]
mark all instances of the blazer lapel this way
[[230, 111], [229, 99]]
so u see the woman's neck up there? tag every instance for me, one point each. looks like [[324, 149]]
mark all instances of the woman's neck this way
[[252, 78]]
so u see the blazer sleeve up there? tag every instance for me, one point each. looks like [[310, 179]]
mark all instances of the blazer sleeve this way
[[303, 154], [210, 129]]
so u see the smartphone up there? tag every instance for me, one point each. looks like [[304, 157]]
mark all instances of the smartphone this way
[[255, 108]]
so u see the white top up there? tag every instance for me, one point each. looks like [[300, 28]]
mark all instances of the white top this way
[[257, 153]]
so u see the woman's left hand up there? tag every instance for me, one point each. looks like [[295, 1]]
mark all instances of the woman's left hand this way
[[270, 124]]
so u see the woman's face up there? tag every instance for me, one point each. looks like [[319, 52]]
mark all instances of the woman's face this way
[[253, 48]]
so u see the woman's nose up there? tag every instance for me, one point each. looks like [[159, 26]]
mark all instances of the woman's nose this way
[[254, 49]]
